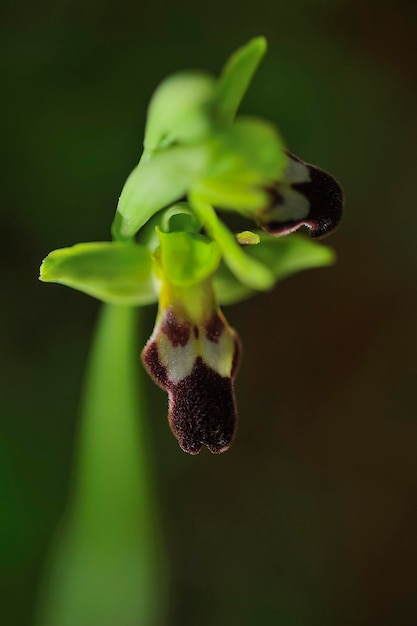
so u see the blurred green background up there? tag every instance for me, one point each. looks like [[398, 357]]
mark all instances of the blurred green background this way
[[310, 518]]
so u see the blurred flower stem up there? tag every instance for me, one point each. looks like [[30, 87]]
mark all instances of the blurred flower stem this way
[[106, 568]]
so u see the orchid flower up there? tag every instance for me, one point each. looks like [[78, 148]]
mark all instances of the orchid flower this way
[[170, 246]]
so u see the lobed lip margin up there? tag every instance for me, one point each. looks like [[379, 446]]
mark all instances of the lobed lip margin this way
[[202, 406]]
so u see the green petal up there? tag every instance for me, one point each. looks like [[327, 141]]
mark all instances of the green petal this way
[[291, 254], [231, 196], [187, 258], [228, 288], [178, 110], [248, 270], [285, 256], [118, 273], [235, 78], [155, 183]]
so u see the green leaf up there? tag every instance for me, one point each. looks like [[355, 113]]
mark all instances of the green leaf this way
[[118, 273], [248, 270], [187, 258], [107, 566], [235, 78], [178, 110], [284, 256], [156, 183]]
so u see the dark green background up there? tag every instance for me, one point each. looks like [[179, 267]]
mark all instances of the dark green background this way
[[310, 519]]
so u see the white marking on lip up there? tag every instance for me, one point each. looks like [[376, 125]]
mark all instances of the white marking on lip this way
[[295, 207], [178, 360], [296, 172], [219, 356]]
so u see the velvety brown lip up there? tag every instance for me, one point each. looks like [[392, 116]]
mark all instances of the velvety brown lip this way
[[202, 406], [203, 410]]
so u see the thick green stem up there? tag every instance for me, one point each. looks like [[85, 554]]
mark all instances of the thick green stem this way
[[106, 566]]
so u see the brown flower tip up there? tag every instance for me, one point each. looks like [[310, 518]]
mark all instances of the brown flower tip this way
[[308, 196]]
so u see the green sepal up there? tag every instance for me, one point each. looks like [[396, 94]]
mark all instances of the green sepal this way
[[187, 258], [247, 269], [246, 159], [156, 183], [117, 273], [235, 79], [178, 110], [284, 256]]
